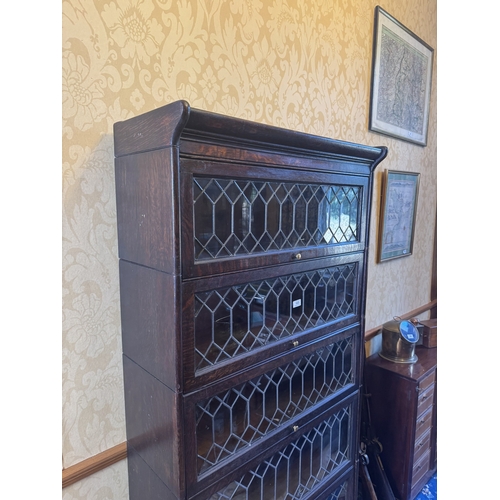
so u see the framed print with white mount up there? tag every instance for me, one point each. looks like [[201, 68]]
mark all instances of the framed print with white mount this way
[[401, 81], [398, 212]]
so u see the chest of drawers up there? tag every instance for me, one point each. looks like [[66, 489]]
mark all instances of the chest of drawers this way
[[243, 253], [403, 412]]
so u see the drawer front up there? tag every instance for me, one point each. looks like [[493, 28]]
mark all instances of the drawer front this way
[[422, 445], [423, 424], [420, 468], [274, 217], [425, 400], [226, 329], [427, 381], [233, 420], [295, 469]]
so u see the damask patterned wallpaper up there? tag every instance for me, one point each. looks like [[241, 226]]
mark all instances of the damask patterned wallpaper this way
[[300, 65]]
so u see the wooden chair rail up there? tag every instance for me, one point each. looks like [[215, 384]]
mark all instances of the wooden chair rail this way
[[93, 464], [369, 334], [102, 460]]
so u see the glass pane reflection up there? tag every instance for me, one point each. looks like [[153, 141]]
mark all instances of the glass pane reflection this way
[[242, 415], [233, 320], [297, 469], [241, 217]]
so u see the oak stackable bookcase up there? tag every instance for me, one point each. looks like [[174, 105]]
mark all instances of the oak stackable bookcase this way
[[243, 255]]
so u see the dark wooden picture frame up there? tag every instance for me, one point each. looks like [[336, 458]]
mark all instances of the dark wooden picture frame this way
[[401, 81], [398, 211]]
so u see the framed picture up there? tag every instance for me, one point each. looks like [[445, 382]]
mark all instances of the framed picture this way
[[398, 211], [401, 81]]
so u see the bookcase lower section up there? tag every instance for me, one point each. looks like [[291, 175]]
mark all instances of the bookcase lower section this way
[[305, 460], [144, 483]]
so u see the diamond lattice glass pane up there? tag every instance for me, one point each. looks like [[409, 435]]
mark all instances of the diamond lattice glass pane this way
[[340, 493], [231, 321], [239, 417], [296, 470], [238, 217]]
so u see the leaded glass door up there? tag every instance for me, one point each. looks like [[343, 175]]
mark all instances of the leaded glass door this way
[[235, 419], [228, 327], [273, 219], [306, 455]]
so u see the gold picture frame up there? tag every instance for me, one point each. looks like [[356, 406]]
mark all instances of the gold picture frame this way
[[398, 211]]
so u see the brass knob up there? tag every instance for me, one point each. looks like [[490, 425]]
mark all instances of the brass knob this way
[[295, 343], [298, 256], [295, 428]]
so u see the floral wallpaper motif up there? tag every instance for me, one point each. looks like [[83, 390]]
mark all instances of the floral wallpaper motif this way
[[300, 65]]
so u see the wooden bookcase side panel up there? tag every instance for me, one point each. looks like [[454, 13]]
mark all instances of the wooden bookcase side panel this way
[[143, 482], [147, 213], [150, 319], [154, 420]]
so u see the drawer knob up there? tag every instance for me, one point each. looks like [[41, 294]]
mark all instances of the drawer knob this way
[[295, 343], [295, 428], [298, 256]]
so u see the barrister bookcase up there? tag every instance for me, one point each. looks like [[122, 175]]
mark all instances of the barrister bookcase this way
[[243, 255]]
